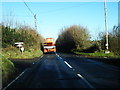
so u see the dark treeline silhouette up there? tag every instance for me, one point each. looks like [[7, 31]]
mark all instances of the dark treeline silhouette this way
[[74, 37], [113, 40], [77, 38], [25, 34]]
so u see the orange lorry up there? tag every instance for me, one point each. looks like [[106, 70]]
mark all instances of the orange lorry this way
[[49, 45]]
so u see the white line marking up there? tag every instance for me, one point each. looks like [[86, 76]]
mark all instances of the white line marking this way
[[57, 55], [17, 77], [41, 56], [80, 76], [85, 81], [77, 74], [68, 64], [60, 57], [38, 59], [14, 80], [64, 61]]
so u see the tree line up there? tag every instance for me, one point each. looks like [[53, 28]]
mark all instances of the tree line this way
[[113, 40], [78, 38], [32, 43], [25, 34], [70, 38]]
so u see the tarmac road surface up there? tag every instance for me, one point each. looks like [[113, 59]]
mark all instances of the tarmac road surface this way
[[68, 71]]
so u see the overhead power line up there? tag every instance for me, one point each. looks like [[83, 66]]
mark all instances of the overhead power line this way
[[64, 8], [28, 7], [32, 14]]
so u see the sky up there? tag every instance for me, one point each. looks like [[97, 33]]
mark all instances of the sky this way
[[53, 16]]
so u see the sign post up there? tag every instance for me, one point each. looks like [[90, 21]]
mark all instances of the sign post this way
[[22, 49], [20, 46]]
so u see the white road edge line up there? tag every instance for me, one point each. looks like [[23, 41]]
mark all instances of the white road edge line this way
[[16, 78], [38, 59], [68, 64], [85, 81], [41, 56]]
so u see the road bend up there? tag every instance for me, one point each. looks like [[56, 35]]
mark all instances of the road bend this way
[[68, 71]]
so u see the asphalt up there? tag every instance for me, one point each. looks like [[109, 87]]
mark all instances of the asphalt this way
[[67, 71]]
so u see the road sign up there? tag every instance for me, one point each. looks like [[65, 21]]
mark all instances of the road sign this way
[[19, 43]]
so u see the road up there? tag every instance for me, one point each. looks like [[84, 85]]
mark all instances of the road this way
[[68, 71]]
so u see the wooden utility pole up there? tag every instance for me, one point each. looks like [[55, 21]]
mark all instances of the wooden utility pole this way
[[106, 27], [35, 21], [32, 14]]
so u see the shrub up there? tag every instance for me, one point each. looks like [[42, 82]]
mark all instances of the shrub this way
[[92, 49], [73, 37]]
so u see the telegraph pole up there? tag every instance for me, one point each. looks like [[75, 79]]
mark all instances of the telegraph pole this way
[[32, 14], [106, 28], [35, 21]]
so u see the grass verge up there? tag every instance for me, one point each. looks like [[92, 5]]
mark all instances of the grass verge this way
[[27, 54], [102, 57], [8, 69], [98, 54], [13, 58]]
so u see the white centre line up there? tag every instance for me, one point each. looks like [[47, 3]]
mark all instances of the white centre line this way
[[57, 54], [68, 64], [64, 61], [79, 75], [85, 81]]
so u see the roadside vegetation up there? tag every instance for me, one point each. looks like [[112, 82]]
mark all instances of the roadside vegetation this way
[[97, 54], [114, 40], [14, 53], [8, 69], [12, 59], [76, 39], [73, 37], [32, 42]]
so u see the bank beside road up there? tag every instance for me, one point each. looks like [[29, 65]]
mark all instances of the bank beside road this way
[[19, 61], [102, 57]]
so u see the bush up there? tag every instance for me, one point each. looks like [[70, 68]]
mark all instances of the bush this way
[[92, 49], [11, 51], [73, 37]]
